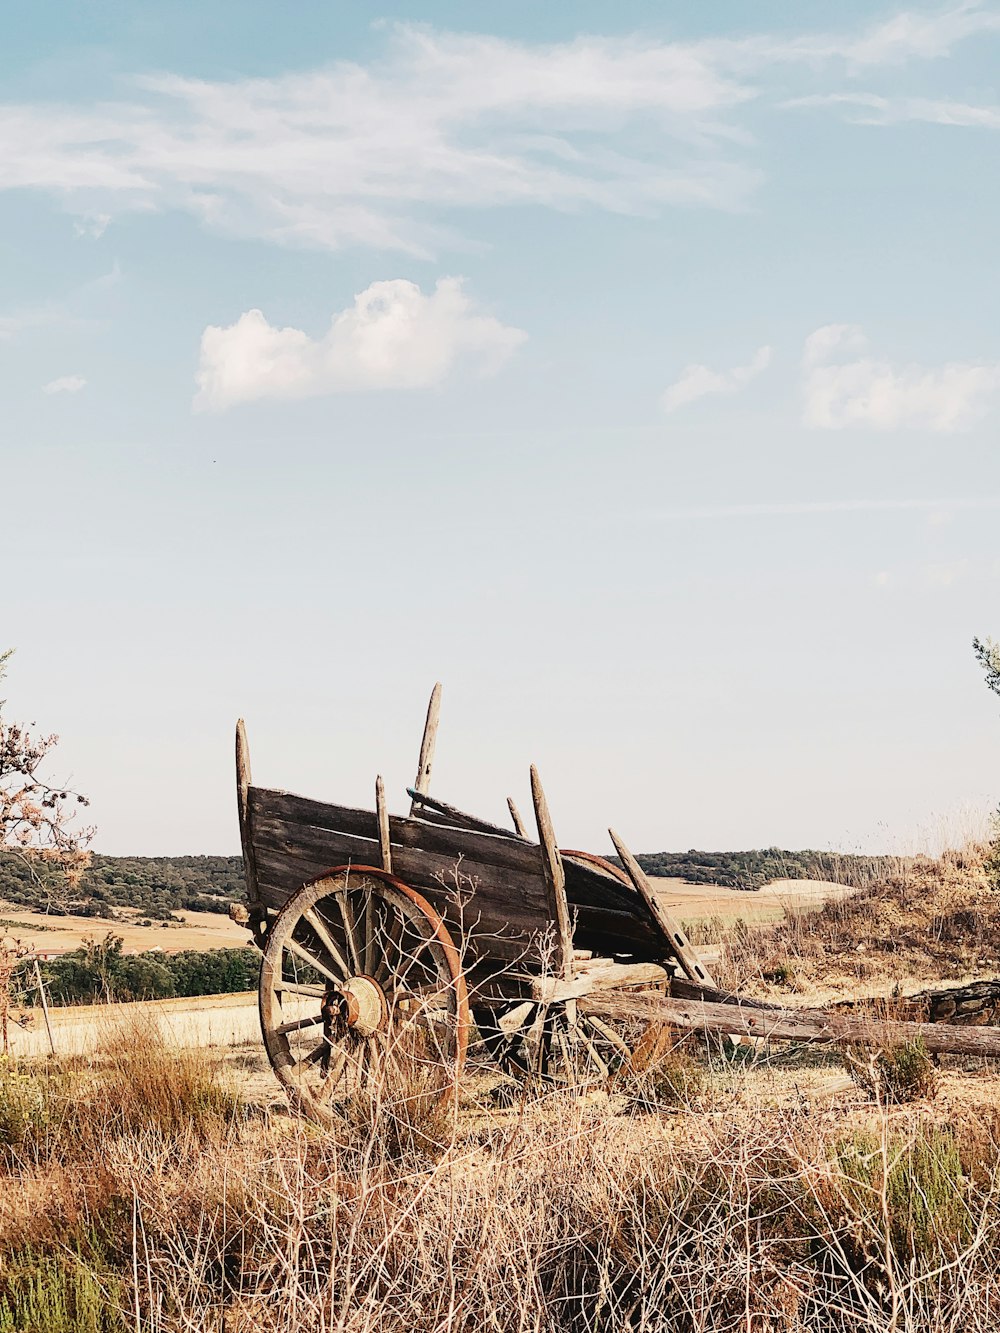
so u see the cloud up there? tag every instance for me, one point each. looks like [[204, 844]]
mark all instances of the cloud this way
[[381, 154], [65, 384], [392, 337], [874, 109], [93, 225], [839, 393], [697, 381]]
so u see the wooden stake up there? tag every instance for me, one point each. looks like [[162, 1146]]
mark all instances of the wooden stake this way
[[555, 877], [243, 783], [45, 1005], [680, 944], [515, 815], [383, 825], [422, 782]]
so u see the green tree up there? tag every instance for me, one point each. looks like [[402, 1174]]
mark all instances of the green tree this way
[[988, 656]]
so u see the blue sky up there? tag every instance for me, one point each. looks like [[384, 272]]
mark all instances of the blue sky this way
[[633, 370]]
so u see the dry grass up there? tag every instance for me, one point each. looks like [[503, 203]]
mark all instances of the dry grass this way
[[746, 1192], [936, 919], [136, 1192]]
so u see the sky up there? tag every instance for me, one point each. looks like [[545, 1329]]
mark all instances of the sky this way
[[633, 370]]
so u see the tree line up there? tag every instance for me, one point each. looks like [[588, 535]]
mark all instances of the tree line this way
[[100, 970], [155, 886]]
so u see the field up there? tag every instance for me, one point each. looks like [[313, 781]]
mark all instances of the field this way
[[196, 930], [154, 1179]]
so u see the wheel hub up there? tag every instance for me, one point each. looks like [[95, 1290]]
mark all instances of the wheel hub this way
[[361, 1006]]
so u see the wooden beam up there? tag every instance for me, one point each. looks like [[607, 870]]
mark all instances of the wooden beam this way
[[806, 1025], [679, 943], [243, 782], [422, 781], [598, 974], [555, 878], [515, 815], [383, 825], [451, 815]]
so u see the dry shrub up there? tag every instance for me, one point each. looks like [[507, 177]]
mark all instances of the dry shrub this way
[[935, 918], [145, 1084], [559, 1217], [895, 1074]]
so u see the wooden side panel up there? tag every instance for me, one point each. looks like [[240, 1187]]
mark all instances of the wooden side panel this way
[[509, 901], [295, 838]]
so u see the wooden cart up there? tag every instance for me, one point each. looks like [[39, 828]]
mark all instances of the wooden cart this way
[[385, 937]]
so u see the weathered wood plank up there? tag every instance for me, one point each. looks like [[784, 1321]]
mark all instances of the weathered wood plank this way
[[243, 781], [600, 974], [504, 903], [679, 942], [422, 781], [382, 814], [806, 1025], [555, 877], [504, 851], [451, 815]]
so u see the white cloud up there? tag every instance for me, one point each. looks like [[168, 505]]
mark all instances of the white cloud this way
[[839, 393], [874, 109], [65, 384], [377, 154], [392, 337], [93, 225], [697, 381]]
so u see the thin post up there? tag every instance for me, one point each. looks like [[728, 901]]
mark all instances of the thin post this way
[[243, 782], [682, 948], [555, 876], [383, 825], [45, 1005], [515, 815], [422, 782]]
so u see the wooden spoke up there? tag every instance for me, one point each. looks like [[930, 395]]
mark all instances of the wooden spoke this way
[[335, 1072], [327, 941], [369, 953], [297, 949], [299, 988], [299, 1024], [390, 954], [606, 1031], [300, 1066], [353, 949]]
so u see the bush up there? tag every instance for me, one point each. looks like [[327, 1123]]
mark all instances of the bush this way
[[896, 1074]]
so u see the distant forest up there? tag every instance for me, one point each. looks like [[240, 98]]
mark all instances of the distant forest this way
[[157, 886], [752, 870], [160, 886]]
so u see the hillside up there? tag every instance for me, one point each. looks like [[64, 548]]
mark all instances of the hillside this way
[[753, 869], [157, 886], [936, 919]]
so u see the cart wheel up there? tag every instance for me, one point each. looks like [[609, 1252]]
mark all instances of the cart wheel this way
[[553, 1045], [361, 989]]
